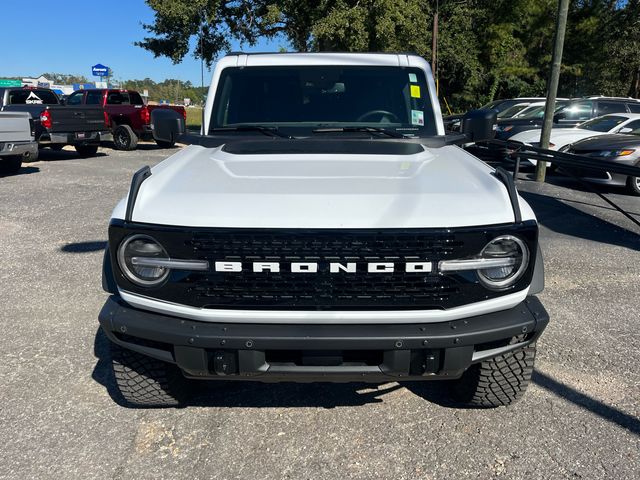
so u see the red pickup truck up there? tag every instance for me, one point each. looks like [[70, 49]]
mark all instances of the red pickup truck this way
[[125, 114]]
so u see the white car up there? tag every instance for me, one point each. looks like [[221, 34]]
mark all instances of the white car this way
[[561, 137], [322, 228]]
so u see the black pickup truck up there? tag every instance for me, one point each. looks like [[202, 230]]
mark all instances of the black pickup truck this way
[[54, 124]]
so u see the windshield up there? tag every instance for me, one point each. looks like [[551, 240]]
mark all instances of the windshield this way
[[511, 111], [536, 112], [603, 124], [298, 99]]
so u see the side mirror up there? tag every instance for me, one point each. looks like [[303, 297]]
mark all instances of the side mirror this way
[[625, 130], [479, 125], [63, 101], [167, 125], [559, 116]]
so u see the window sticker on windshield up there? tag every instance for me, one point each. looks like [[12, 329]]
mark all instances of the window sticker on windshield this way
[[33, 99], [417, 117], [413, 77], [415, 91]]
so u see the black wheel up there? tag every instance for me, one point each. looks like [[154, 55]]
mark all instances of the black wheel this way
[[56, 147], [146, 382], [633, 184], [124, 138], [86, 151], [162, 144], [10, 165], [496, 382]]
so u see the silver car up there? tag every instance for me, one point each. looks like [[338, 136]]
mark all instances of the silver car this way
[[624, 149]]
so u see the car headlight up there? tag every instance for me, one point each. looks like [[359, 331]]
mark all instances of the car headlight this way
[[510, 256], [612, 153], [135, 257], [500, 265]]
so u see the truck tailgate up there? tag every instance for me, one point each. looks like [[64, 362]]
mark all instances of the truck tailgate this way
[[82, 118], [15, 127]]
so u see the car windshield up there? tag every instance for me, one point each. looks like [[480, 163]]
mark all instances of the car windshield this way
[[299, 100], [603, 124], [512, 111], [536, 112]]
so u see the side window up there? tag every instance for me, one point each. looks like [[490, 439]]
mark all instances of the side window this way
[[634, 107], [75, 98], [577, 111], [634, 126], [94, 97], [115, 98], [136, 99], [611, 107]]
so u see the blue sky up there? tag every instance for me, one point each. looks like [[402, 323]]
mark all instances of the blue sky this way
[[70, 36]]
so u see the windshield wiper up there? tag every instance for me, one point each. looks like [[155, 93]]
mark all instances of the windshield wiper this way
[[384, 131], [269, 131]]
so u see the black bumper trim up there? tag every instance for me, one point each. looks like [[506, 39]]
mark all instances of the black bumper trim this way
[[190, 344]]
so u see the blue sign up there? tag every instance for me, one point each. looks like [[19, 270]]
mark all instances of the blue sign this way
[[82, 86], [100, 70]]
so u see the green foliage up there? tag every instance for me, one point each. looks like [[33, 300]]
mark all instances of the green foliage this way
[[170, 89], [486, 49]]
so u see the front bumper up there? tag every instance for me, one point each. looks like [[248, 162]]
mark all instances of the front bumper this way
[[314, 352], [24, 149]]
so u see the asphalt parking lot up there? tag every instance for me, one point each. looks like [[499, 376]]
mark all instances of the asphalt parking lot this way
[[59, 419]]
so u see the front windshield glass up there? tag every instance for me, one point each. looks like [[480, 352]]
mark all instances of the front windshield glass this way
[[536, 112], [602, 124], [512, 111], [297, 100]]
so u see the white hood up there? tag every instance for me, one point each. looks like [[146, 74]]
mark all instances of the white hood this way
[[559, 136], [205, 187]]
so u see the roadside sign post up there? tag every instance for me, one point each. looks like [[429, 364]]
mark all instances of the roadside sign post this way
[[99, 70], [4, 82]]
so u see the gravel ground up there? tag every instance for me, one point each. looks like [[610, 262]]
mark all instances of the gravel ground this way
[[58, 417]]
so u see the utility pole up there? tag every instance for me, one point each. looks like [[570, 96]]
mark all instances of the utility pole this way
[[552, 90], [434, 46]]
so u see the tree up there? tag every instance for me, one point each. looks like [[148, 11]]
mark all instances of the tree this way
[[487, 49]]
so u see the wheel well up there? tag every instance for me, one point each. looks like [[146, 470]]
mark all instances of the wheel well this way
[[120, 120]]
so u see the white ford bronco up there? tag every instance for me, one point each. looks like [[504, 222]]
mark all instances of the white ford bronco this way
[[322, 227]]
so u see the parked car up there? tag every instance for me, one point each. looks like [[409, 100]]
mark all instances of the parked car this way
[[504, 107], [16, 141], [336, 236], [527, 119], [125, 114], [610, 148], [618, 123], [56, 125]]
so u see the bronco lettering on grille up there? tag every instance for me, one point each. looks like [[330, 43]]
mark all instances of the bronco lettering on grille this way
[[332, 267]]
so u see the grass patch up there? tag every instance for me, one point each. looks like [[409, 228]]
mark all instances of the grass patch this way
[[194, 118]]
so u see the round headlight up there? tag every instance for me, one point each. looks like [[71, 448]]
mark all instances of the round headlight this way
[[515, 256], [136, 247]]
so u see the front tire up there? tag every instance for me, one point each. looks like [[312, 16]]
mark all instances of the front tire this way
[[86, 151], [146, 382], [124, 138], [633, 184], [496, 382], [10, 165]]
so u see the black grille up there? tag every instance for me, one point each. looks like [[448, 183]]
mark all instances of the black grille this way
[[322, 290]]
